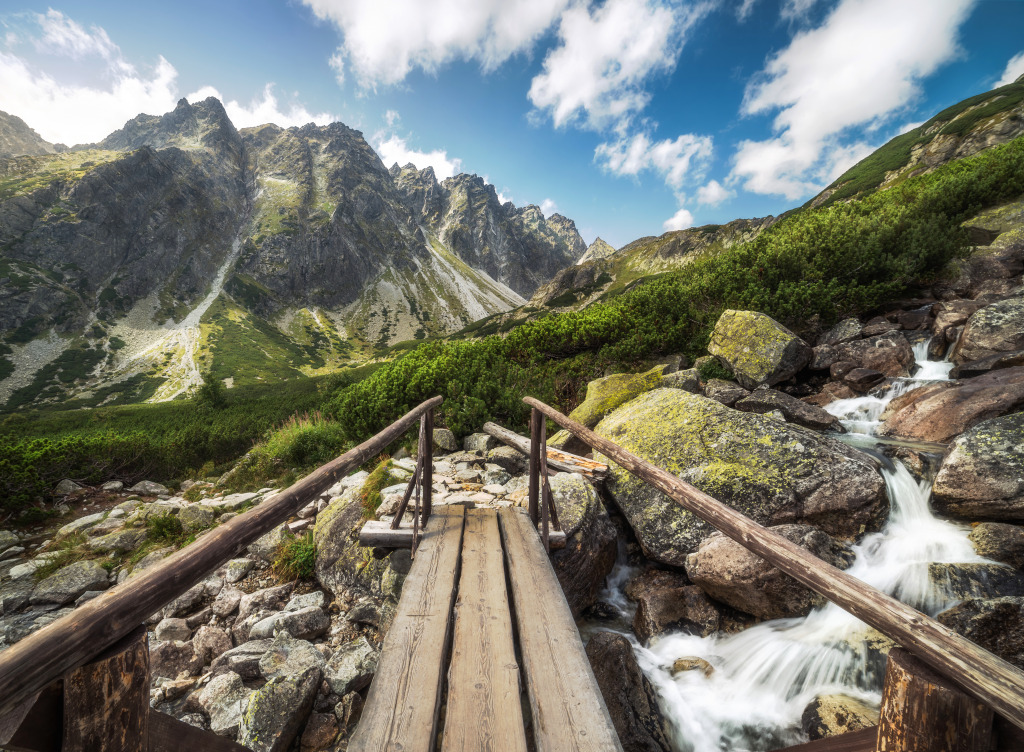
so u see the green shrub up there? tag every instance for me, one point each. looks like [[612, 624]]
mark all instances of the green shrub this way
[[296, 558], [165, 528], [712, 368]]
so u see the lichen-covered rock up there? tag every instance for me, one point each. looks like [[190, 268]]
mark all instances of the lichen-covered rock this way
[[444, 441], [667, 601], [149, 488], [1000, 542], [120, 541], [67, 583], [7, 540], [765, 400], [341, 563], [688, 380], [730, 573], [997, 624], [832, 715], [845, 331], [606, 394], [288, 657], [238, 569], [304, 624], [628, 695], [982, 473], [996, 328], [757, 349], [589, 553], [479, 442], [511, 460], [210, 643], [265, 547], [351, 667], [976, 580], [170, 659], [268, 598], [773, 472], [725, 392], [224, 700], [889, 354], [196, 517]]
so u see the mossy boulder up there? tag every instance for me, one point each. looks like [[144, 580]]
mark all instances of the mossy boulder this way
[[66, 584], [278, 710], [758, 349], [606, 394], [997, 328], [773, 472], [341, 562]]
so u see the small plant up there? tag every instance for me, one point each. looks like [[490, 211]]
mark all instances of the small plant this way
[[70, 549], [713, 369], [165, 528], [369, 494], [296, 558], [193, 494]]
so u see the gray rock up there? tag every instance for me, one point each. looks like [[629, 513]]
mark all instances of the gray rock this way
[[231, 502], [758, 350], [316, 599], [687, 380], [67, 583], [277, 711], [494, 475], [352, 667], [11, 553], [305, 624], [962, 581], [890, 354], [112, 486], [265, 547], [172, 629], [226, 602], [479, 442], [224, 700], [341, 563], [171, 659], [149, 488], [14, 594], [366, 612], [845, 331], [238, 569], [823, 357], [667, 601], [444, 441], [725, 392], [268, 598], [985, 365], [7, 540], [121, 541], [833, 715], [289, 657], [796, 411], [196, 517], [189, 601], [996, 328], [511, 460], [66, 487], [999, 541], [81, 523], [997, 624], [243, 660], [210, 643]]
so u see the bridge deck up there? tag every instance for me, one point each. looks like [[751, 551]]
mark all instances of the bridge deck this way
[[495, 632]]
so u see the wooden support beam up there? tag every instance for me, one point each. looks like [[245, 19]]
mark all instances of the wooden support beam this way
[[168, 734], [533, 452], [402, 706], [427, 476], [380, 534], [922, 712], [564, 461], [983, 675], [854, 741], [567, 708], [42, 657], [484, 712]]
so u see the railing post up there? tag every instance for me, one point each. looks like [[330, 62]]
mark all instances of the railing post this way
[[536, 439], [545, 498], [427, 474]]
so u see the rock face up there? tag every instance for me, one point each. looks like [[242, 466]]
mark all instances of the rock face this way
[[1000, 542], [278, 711], [18, 139], [599, 249], [666, 601], [605, 394], [728, 572], [997, 624], [773, 472], [340, 561], [758, 350], [799, 412], [68, 583], [982, 474], [628, 694], [992, 330]]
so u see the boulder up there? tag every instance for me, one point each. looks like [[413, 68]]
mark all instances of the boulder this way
[[832, 715], [320, 732], [606, 394], [667, 601], [210, 643], [120, 542], [149, 488], [845, 331], [227, 601], [224, 700], [268, 598], [771, 471], [66, 487], [975, 580], [628, 695], [82, 523], [823, 357], [984, 365], [940, 412], [112, 486], [996, 328], [67, 583], [479, 442], [982, 473], [196, 517], [444, 441], [288, 657], [997, 624], [243, 660], [265, 547], [765, 400], [758, 350], [688, 380], [889, 354], [590, 544], [729, 573], [238, 569], [7, 540], [725, 392], [351, 667], [172, 629], [863, 379], [341, 563], [1000, 542], [953, 313], [304, 624], [171, 659], [510, 460]]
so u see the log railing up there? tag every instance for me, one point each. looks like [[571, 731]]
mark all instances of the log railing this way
[[48, 655], [982, 675]]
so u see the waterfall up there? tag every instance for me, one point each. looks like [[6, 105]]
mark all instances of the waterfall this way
[[766, 675]]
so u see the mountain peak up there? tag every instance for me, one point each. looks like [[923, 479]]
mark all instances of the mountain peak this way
[[18, 139], [597, 250]]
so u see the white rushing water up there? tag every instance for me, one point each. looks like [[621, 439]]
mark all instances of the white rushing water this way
[[765, 676]]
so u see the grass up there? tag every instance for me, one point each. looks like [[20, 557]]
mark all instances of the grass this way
[[296, 558], [379, 479]]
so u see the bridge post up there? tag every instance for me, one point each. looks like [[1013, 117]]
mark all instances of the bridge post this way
[[427, 457], [536, 439]]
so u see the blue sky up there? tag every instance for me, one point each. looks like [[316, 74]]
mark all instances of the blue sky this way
[[629, 116]]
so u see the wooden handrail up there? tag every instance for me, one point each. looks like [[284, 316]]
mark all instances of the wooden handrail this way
[[978, 672], [44, 656]]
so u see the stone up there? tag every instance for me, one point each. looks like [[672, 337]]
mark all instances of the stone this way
[[112, 486], [67, 583], [796, 411], [725, 392], [1000, 542], [268, 598], [889, 354], [304, 624], [494, 475], [832, 715], [341, 563], [265, 547], [628, 695], [590, 546], [667, 601], [210, 643], [82, 523], [121, 541], [606, 394], [316, 599], [366, 611], [939, 412], [288, 656], [171, 659], [823, 357], [186, 603], [976, 580], [996, 328], [863, 379], [230, 503], [172, 629], [196, 517], [952, 313], [845, 331], [982, 473], [8, 540], [444, 441], [243, 660], [320, 732], [479, 442], [224, 700], [997, 624], [688, 380], [149, 488], [692, 663], [467, 476], [226, 602], [773, 472], [348, 711], [511, 460], [352, 667], [66, 488], [238, 569], [881, 327], [984, 365], [758, 350], [730, 573]]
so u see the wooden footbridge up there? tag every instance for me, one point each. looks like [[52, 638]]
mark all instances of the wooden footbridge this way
[[483, 653]]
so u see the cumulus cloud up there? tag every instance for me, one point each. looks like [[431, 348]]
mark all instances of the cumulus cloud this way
[[713, 193], [673, 159], [395, 149], [548, 207], [681, 220], [384, 40], [63, 36], [1014, 70], [391, 117], [830, 80], [596, 74], [264, 108]]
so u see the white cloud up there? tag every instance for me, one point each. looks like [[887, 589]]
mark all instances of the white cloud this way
[[1014, 70], [391, 117], [384, 40], [597, 72], [746, 6], [63, 36], [681, 220], [503, 198], [548, 207], [395, 149], [672, 159], [264, 109], [850, 72], [713, 193], [793, 10]]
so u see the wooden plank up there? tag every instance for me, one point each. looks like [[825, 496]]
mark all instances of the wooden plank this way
[[484, 712], [379, 534], [168, 734], [564, 461], [568, 711], [922, 712], [29, 665], [106, 701], [404, 699], [855, 741], [980, 673]]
